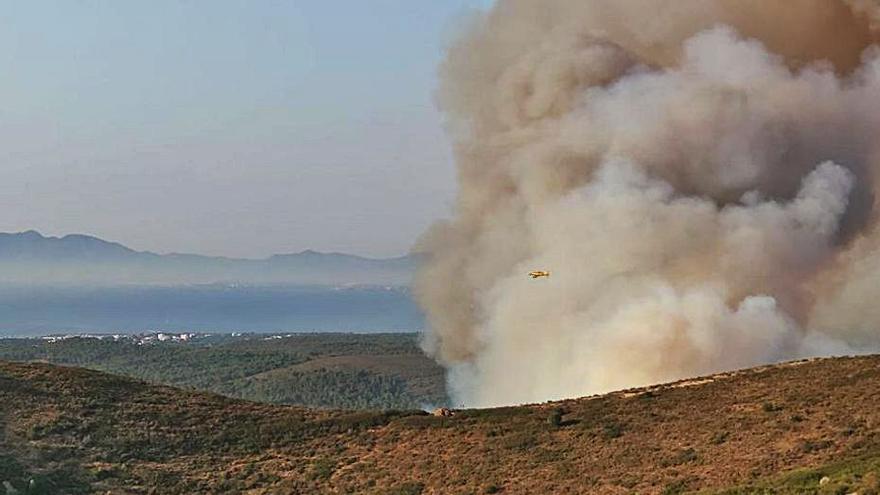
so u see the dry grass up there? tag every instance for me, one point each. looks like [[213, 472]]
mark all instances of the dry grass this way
[[98, 432]]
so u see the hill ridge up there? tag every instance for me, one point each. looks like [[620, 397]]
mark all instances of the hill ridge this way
[[31, 258], [745, 429], [32, 235]]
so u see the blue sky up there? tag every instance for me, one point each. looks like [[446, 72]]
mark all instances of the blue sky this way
[[239, 128]]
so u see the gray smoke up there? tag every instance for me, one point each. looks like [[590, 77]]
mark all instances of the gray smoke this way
[[698, 175]]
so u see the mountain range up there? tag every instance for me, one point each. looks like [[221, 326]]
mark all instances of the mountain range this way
[[30, 258]]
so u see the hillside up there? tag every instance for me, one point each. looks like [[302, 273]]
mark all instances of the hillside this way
[[806, 427], [327, 370]]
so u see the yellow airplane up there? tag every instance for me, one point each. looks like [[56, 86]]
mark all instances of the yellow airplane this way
[[539, 274]]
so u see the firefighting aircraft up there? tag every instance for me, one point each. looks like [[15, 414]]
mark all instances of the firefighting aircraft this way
[[539, 274]]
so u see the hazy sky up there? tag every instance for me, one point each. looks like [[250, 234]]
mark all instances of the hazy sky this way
[[238, 128]]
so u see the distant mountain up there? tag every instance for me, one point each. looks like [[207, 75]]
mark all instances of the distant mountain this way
[[33, 259], [32, 245]]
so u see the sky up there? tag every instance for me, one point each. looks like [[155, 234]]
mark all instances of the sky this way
[[224, 127]]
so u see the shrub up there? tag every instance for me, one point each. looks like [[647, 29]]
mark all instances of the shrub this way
[[682, 457], [720, 437], [322, 469], [675, 488], [809, 446], [555, 418], [612, 430], [411, 488]]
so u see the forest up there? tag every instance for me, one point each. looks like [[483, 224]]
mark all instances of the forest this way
[[325, 370]]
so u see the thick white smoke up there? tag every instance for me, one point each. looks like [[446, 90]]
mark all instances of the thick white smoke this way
[[698, 176]]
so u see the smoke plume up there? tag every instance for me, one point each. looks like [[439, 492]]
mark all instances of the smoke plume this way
[[699, 177]]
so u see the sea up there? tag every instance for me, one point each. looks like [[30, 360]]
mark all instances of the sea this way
[[222, 308]]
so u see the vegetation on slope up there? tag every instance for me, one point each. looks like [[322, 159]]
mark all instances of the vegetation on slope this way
[[343, 371], [859, 475], [99, 432]]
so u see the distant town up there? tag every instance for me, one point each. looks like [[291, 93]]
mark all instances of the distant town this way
[[140, 339], [147, 338]]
